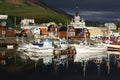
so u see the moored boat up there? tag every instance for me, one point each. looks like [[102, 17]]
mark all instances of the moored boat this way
[[83, 51]]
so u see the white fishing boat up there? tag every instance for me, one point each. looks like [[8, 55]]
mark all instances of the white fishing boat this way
[[47, 47], [114, 45], [83, 52], [90, 49], [36, 52]]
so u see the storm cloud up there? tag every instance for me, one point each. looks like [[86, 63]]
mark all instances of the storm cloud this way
[[108, 10]]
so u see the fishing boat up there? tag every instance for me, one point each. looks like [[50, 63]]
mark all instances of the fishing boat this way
[[88, 52], [84, 49], [113, 47], [46, 47], [36, 52]]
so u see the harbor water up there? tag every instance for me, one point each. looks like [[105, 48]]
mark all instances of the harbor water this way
[[68, 71]]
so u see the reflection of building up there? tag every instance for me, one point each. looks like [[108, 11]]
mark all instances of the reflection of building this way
[[8, 48], [6, 55]]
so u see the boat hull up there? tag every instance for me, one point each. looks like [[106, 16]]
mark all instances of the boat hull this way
[[87, 52]]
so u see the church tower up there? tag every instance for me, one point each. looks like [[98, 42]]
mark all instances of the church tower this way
[[77, 22]]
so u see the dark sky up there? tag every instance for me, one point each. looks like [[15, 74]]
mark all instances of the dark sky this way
[[94, 10]]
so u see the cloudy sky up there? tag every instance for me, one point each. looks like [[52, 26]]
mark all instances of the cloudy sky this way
[[94, 10]]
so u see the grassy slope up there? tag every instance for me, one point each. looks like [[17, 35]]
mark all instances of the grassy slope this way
[[29, 9]]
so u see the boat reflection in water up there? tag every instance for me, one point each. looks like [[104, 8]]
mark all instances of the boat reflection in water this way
[[64, 67]]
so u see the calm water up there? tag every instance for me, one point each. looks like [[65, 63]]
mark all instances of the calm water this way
[[74, 71]]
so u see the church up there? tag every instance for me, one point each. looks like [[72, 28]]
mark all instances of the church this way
[[77, 22]]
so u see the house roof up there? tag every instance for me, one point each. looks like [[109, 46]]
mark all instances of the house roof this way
[[63, 28]]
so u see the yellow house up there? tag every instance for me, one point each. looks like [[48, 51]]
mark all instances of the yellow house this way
[[97, 31]]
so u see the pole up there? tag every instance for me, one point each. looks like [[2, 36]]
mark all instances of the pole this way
[[15, 22], [84, 68], [67, 30], [108, 63], [67, 45], [98, 67], [67, 63]]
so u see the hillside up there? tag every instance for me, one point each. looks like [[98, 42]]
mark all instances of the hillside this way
[[31, 9]]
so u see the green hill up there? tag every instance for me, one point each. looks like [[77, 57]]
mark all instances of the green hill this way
[[32, 9]]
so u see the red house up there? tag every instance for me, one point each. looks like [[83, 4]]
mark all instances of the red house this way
[[7, 32], [73, 33]]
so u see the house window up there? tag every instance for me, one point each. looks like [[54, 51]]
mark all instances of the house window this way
[[10, 29], [3, 33], [3, 53], [71, 34]]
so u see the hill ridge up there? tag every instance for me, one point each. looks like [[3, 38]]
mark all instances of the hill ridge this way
[[32, 8]]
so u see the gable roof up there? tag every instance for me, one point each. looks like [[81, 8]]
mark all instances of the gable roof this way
[[63, 28]]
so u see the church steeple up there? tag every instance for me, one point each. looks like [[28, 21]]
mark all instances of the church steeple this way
[[77, 14]]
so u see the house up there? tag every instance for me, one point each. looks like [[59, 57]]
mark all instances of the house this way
[[6, 29], [71, 32], [3, 16], [27, 22], [97, 31], [62, 32], [7, 32], [119, 29], [79, 29], [44, 31]]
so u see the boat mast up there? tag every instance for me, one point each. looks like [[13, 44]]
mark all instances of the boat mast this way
[[67, 45], [84, 68], [108, 34], [67, 31], [85, 37], [15, 21]]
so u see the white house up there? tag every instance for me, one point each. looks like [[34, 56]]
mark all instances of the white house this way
[[111, 26], [3, 16], [27, 21]]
